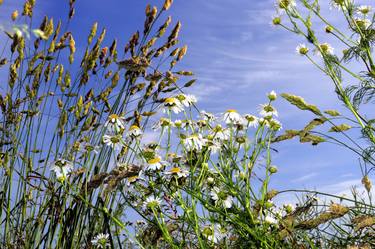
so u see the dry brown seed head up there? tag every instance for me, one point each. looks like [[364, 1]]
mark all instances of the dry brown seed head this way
[[14, 15], [367, 183], [167, 4], [94, 28]]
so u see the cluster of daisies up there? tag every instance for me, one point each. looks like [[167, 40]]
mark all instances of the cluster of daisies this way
[[210, 134], [360, 22]]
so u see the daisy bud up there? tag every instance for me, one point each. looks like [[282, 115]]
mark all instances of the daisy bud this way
[[288, 208], [302, 49], [268, 204], [328, 29], [273, 169], [276, 20], [272, 96]]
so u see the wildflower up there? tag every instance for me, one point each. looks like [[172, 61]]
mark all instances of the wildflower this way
[[288, 208], [337, 3], [177, 171], [272, 96], [173, 104], [302, 49], [213, 233], [263, 121], [328, 29], [285, 4], [187, 100], [364, 9], [219, 133], [273, 169], [270, 220], [162, 123], [155, 163], [115, 122], [252, 121], [324, 49], [222, 197], [134, 179], [267, 110], [101, 240], [152, 202], [232, 117], [276, 20], [275, 124], [207, 116], [214, 146], [210, 180], [62, 168], [195, 141], [113, 141], [134, 131], [362, 24]]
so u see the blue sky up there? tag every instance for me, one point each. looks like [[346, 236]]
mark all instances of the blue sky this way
[[237, 57]]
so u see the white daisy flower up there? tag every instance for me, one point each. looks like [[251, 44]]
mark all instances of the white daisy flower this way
[[173, 104], [101, 240], [134, 131], [275, 124], [363, 24], [177, 123], [285, 4], [267, 110], [219, 133], [207, 116], [340, 4], [213, 233], [270, 220], [162, 123], [214, 146], [115, 123], [187, 100], [62, 168], [302, 49], [264, 122], [364, 9], [113, 141], [288, 208], [252, 121], [155, 163], [187, 124], [232, 117], [324, 49], [152, 202], [195, 141], [221, 197], [272, 95], [177, 171], [134, 179]]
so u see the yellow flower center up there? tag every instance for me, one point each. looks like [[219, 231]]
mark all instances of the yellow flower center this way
[[154, 160], [113, 117], [175, 170], [232, 111], [134, 127], [170, 101]]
